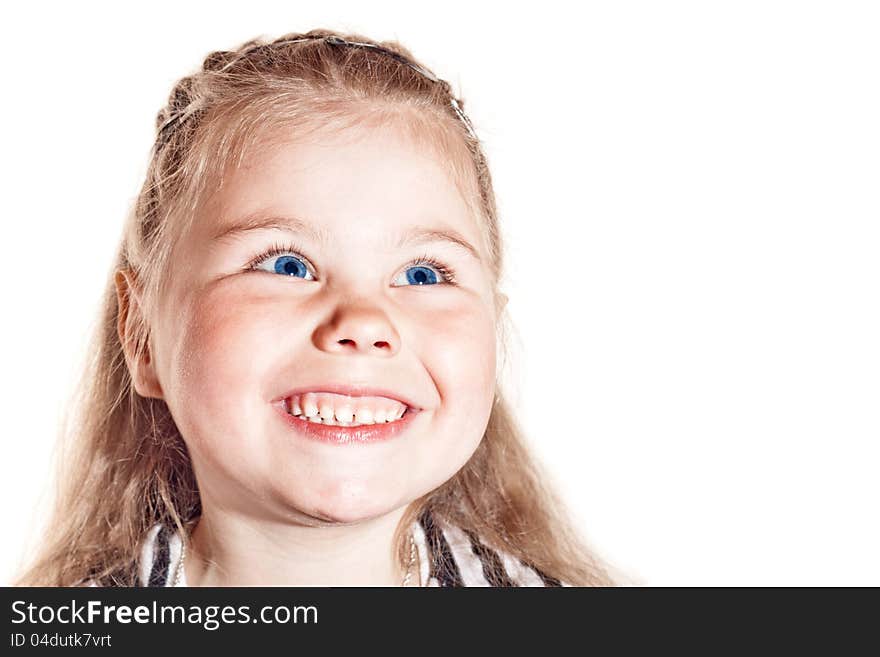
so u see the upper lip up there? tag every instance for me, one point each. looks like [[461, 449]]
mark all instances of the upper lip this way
[[353, 391]]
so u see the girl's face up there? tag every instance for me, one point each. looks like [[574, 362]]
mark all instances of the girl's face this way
[[339, 303]]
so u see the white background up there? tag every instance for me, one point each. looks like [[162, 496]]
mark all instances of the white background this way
[[690, 196]]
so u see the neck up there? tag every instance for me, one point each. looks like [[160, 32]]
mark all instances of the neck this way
[[227, 549]]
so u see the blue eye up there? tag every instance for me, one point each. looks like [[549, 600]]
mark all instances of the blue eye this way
[[424, 270], [422, 276], [290, 266], [281, 261]]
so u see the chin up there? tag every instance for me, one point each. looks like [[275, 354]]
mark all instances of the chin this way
[[348, 502]]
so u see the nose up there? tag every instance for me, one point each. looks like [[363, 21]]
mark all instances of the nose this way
[[358, 329]]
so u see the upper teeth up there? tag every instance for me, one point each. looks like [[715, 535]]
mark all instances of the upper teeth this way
[[330, 408]]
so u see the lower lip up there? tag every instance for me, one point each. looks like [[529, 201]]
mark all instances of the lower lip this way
[[366, 433]]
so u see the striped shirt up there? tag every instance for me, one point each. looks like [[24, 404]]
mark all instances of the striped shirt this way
[[447, 556]]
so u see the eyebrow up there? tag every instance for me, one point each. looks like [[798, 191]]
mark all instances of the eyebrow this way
[[414, 236]]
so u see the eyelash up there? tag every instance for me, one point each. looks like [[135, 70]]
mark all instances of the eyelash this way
[[278, 249]]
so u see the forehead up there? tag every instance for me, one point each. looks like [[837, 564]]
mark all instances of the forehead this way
[[364, 182]]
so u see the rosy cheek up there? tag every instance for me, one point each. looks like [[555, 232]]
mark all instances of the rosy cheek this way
[[206, 365], [463, 363]]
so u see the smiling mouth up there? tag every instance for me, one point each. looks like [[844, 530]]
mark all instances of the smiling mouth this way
[[334, 422], [331, 429], [341, 410]]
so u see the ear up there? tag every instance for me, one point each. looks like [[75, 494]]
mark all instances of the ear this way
[[130, 318]]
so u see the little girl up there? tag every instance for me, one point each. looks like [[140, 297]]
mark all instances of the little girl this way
[[295, 379]]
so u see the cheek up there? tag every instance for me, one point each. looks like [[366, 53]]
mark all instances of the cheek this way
[[215, 369], [209, 358], [460, 354], [461, 349]]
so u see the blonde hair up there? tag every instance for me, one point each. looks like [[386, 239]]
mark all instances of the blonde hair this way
[[129, 467]]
